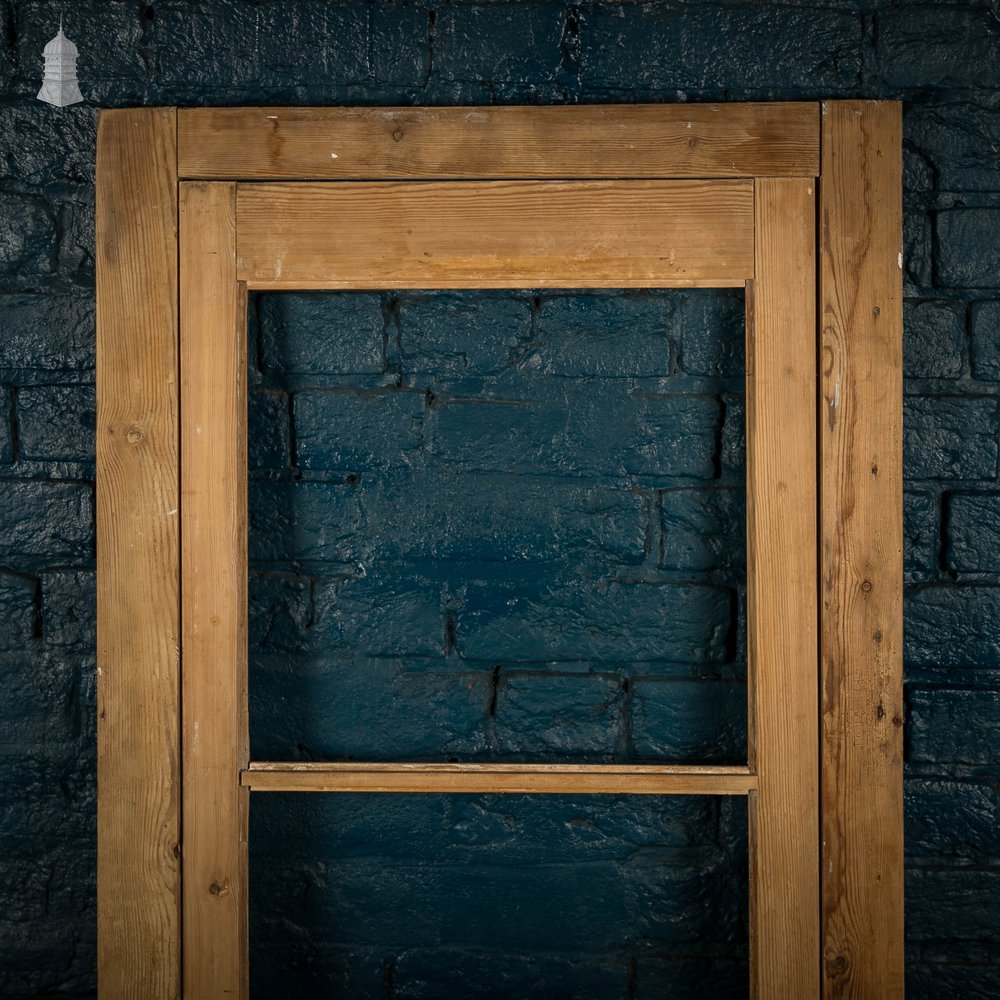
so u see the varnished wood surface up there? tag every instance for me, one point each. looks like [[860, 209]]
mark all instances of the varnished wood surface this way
[[214, 594], [138, 615], [782, 594], [862, 565], [569, 779], [597, 141], [495, 234]]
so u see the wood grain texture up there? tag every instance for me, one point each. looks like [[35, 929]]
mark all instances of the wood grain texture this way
[[562, 779], [862, 564], [782, 594], [637, 141], [214, 594], [495, 234], [138, 614]]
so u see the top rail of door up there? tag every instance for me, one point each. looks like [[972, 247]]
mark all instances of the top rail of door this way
[[643, 141]]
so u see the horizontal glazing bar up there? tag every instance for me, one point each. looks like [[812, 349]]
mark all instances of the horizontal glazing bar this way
[[552, 779]]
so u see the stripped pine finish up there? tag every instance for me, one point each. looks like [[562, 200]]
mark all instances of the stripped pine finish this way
[[498, 234], [138, 609], [610, 141], [214, 594], [825, 585], [862, 570], [782, 585], [595, 779]]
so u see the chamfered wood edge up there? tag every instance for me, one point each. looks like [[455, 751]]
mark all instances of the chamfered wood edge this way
[[860, 422], [512, 142], [602, 779], [138, 613]]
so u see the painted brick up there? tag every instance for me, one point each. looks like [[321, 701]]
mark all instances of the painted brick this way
[[400, 49], [974, 532], [939, 46], [205, 45], [954, 726], [713, 334], [986, 340], [921, 532], [46, 332], [955, 905], [498, 43], [377, 709], [550, 619], [695, 978], [385, 613], [918, 253], [505, 829], [959, 141], [952, 627], [51, 800], [328, 333], [267, 430], [460, 334], [645, 46], [27, 239], [352, 432], [492, 518], [282, 526], [933, 338], [950, 437], [51, 521], [655, 436], [952, 821], [6, 412], [510, 907], [704, 529], [69, 608], [28, 136], [932, 980], [40, 707], [968, 248], [611, 336], [307, 42], [689, 720], [427, 974], [566, 714], [18, 611], [56, 422], [733, 447]]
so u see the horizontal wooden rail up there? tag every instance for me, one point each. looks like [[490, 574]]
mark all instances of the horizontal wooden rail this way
[[598, 141], [552, 779], [495, 234]]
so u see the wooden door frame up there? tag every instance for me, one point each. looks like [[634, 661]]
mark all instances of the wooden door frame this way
[[183, 233]]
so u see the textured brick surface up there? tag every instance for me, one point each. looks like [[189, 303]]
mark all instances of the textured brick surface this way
[[499, 525]]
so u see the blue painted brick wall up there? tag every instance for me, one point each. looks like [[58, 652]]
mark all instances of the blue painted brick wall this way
[[362, 596]]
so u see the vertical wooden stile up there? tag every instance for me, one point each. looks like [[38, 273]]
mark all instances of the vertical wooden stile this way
[[138, 614], [862, 565], [782, 584], [214, 594]]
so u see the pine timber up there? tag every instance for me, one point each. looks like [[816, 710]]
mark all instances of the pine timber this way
[[496, 234], [138, 612], [552, 779], [862, 564], [782, 594], [544, 143], [213, 594]]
